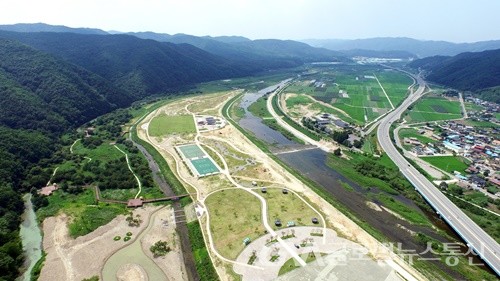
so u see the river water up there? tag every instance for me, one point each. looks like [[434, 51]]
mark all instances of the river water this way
[[312, 164], [31, 237]]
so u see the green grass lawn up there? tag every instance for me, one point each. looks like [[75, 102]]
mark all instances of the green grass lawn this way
[[438, 104], [104, 152], [419, 116], [297, 100], [447, 163], [292, 264], [86, 215], [412, 133], [287, 207], [234, 215], [402, 209], [259, 108], [174, 124]]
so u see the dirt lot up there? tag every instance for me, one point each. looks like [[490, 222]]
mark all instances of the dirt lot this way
[[164, 229], [76, 259]]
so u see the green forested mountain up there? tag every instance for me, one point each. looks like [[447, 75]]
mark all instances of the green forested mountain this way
[[467, 71], [141, 67], [39, 91], [40, 97], [268, 53]]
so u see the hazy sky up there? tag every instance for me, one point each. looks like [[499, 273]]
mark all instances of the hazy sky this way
[[451, 20]]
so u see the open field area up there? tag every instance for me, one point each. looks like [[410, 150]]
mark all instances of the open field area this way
[[230, 223], [412, 133], [447, 163], [474, 123], [259, 109], [434, 108], [354, 91], [171, 124], [86, 215], [287, 208], [104, 152]]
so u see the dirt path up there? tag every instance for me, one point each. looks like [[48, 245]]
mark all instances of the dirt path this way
[[60, 238], [139, 184]]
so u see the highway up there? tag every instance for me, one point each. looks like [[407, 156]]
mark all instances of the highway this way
[[475, 237]]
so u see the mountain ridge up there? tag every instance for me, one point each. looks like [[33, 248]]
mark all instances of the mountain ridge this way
[[421, 48], [470, 71]]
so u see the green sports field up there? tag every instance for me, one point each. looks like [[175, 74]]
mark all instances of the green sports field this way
[[191, 151], [171, 124], [200, 163], [204, 166]]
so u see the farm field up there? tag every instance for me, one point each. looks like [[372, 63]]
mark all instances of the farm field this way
[[473, 107], [447, 163], [175, 124], [475, 123], [231, 223], [433, 108], [354, 91]]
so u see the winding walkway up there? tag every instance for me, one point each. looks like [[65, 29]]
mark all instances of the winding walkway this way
[[225, 171], [139, 184]]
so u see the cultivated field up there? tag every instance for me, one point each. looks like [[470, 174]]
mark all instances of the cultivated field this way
[[354, 92], [447, 163], [434, 108]]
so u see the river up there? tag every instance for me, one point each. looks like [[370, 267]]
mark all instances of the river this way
[[312, 164], [31, 237]]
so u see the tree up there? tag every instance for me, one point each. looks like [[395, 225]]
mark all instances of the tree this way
[[358, 143], [443, 185], [337, 152], [160, 248]]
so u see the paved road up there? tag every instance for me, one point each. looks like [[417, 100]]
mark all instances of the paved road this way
[[485, 246]]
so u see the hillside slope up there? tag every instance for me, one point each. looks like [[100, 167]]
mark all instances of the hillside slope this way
[[42, 27], [40, 98], [420, 48], [142, 67], [40, 91], [269, 53], [466, 71]]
